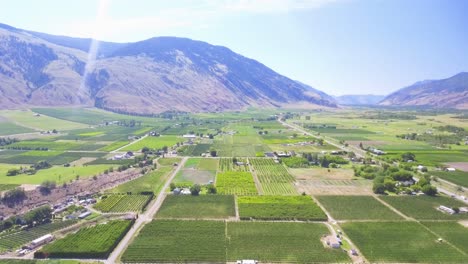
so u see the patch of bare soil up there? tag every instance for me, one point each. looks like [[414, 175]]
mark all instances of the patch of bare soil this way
[[463, 166]]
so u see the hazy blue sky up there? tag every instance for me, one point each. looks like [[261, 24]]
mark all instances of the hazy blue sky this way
[[338, 46]]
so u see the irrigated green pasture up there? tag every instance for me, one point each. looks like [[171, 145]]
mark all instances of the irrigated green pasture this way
[[271, 242], [151, 182], [95, 242], [355, 207], [280, 208], [178, 241], [199, 207], [425, 207], [400, 242]]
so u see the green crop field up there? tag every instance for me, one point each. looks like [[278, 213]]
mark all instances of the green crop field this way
[[8, 128], [95, 242], [226, 164], [151, 182], [10, 241], [425, 207], [457, 177], [280, 242], [240, 183], [114, 145], [59, 174], [356, 208], [453, 232], [274, 177], [116, 203], [405, 242], [42, 122], [154, 143], [202, 206], [178, 242], [168, 161], [280, 208], [194, 150]]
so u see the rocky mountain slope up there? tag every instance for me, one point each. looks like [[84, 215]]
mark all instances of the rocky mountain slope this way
[[150, 76], [446, 93]]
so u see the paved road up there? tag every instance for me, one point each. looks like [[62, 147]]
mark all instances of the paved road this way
[[131, 143], [143, 218], [358, 152]]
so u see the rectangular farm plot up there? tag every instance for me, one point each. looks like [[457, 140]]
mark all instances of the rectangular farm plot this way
[[197, 171], [11, 241], [153, 143], [91, 242], [453, 232], [228, 164], [178, 242], [405, 242], [240, 183], [356, 208], [274, 178], [458, 177], [202, 206], [425, 207], [117, 203], [280, 208], [280, 242]]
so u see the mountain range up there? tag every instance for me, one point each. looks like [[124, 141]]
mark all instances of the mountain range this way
[[151, 76], [446, 93]]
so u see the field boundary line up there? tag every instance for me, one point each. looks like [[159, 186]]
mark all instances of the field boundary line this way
[[236, 208], [393, 209], [129, 144], [255, 178], [445, 240], [143, 218]]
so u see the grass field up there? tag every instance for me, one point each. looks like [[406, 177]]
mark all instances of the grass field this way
[[240, 183], [457, 177], [424, 207], [178, 242], [95, 242], [199, 207], [42, 122], [356, 208], [6, 187], [280, 208], [453, 232], [402, 242], [154, 143], [151, 182], [8, 128], [116, 203], [280, 242], [59, 174]]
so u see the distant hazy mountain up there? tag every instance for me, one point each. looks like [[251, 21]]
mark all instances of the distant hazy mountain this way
[[359, 99], [446, 93], [154, 75]]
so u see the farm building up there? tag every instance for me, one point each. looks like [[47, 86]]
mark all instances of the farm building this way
[[41, 241], [84, 215], [446, 209], [450, 169], [176, 191], [189, 136]]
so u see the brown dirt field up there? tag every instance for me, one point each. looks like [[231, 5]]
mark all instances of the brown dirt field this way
[[198, 176], [334, 187], [463, 166], [322, 174]]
